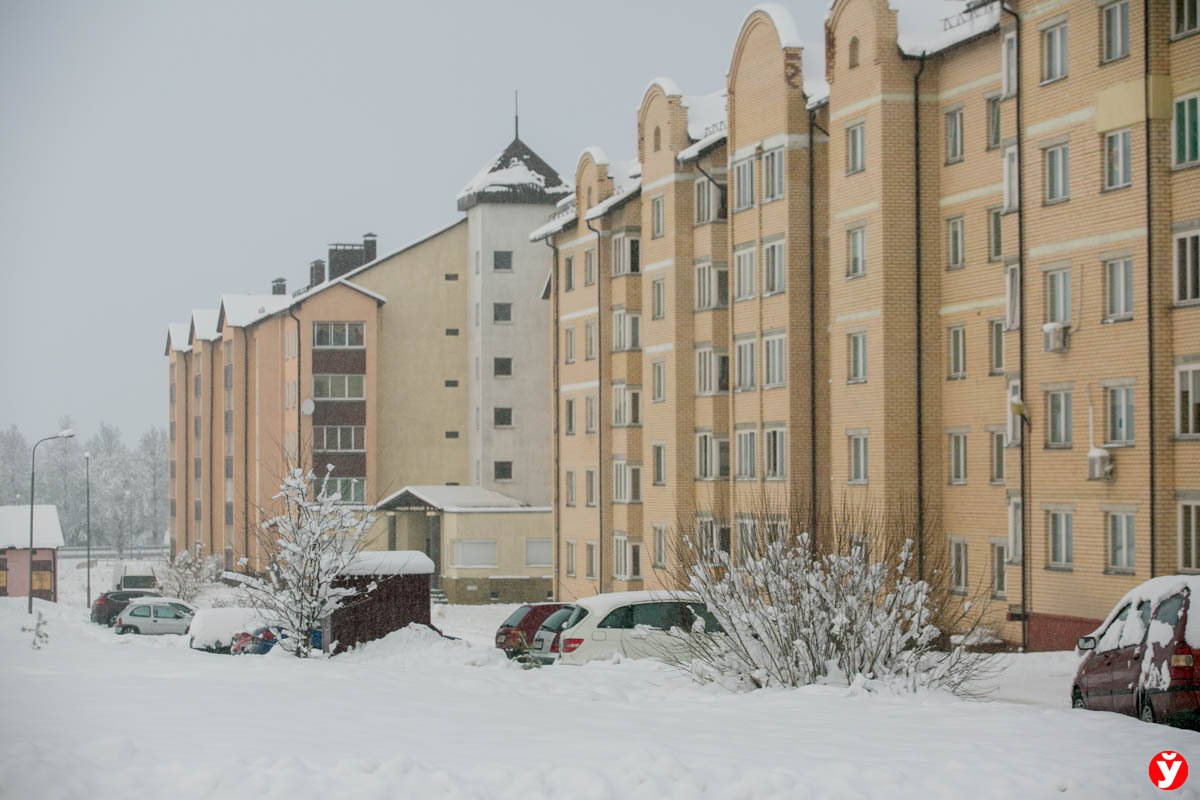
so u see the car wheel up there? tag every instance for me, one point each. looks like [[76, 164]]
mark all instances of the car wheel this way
[[1146, 711], [1077, 699]]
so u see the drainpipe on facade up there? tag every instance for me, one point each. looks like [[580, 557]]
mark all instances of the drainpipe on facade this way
[[919, 322], [212, 541], [1026, 593], [599, 415], [246, 448], [1150, 289], [812, 321], [299, 368], [188, 478], [554, 299]]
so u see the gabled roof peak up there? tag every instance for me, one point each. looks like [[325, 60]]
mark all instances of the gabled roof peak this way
[[516, 175]]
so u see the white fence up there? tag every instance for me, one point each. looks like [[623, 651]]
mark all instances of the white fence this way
[[133, 554]]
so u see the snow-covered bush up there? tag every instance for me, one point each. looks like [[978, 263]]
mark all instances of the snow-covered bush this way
[[794, 614], [40, 637], [306, 548], [186, 574]]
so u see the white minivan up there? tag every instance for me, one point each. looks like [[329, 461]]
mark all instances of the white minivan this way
[[134, 575], [634, 625]]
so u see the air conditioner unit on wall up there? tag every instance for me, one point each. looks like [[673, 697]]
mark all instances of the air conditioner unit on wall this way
[[1055, 336], [1100, 466]]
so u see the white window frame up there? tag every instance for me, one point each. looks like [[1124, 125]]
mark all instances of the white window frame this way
[[339, 330], [773, 268], [1012, 296], [339, 383], [705, 371], [1189, 536], [1057, 173], [775, 453], [956, 243], [569, 345], [856, 148], [658, 299], [747, 454], [1058, 419], [589, 414], [658, 455], [743, 183], [1058, 296], [858, 444], [570, 488], [626, 255], [333, 439], [1055, 53], [1060, 535], [773, 175], [774, 361], [1118, 159], [993, 121], [999, 570], [958, 459], [954, 136], [589, 267], [569, 568], [590, 488], [660, 545], [1016, 527], [957, 337], [658, 211], [712, 286], [856, 251], [1012, 178], [856, 357], [958, 565], [1119, 419], [1122, 541], [591, 551], [1114, 31], [659, 381], [589, 341], [1186, 258], [1189, 106], [1016, 419], [746, 351], [705, 202], [995, 234], [627, 405], [1187, 401], [1118, 289], [745, 267], [998, 446], [1190, 22], [1008, 63], [996, 346], [627, 330]]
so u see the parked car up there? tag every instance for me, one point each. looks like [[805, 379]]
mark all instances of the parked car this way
[[1141, 661], [156, 615], [515, 634], [547, 641], [134, 575], [216, 629], [109, 604], [260, 641], [634, 625]]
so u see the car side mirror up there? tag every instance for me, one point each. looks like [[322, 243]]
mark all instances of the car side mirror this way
[[1086, 643]]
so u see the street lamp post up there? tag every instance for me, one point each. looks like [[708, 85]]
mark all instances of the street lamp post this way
[[63, 434], [87, 465]]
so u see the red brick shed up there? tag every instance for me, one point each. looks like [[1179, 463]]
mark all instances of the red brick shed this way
[[400, 597]]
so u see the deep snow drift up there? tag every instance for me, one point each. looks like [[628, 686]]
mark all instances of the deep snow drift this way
[[413, 715]]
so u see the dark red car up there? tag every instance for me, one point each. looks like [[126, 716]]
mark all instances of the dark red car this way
[[515, 634], [109, 604], [1143, 661]]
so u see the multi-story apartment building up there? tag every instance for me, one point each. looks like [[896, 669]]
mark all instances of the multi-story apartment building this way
[[374, 368], [985, 231]]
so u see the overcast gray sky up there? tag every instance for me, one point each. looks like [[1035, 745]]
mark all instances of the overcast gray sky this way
[[156, 154]]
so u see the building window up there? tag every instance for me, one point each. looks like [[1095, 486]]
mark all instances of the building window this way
[[502, 367], [747, 455], [1058, 296], [338, 438], [569, 273], [958, 458], [856, 251], [774, 360], [712, 287], [589, 414], [993, 123], [743, 184], [995, 234], [657, 139], [1058, 173], [620, 555], [475, 553], [627, 330], [658, 299], [627, 404], [659, 370], [1058, 408], [660, 464], [954, 136], [1187, 380], [853, 55], [1008, 63], [502, 261], [856, 144], [1118, 159], [570, 490], [1187, 268], [712, 457], [627, 482], [569, 345], [1118, 288], [589, 267], [592, 560], [1012, 179], [773, 174], [1016, 413], [712, 371], [1012, 296], [626, 255], [704, 201], [502, 470], [775, 453], [589, 341], [502, 312], [1187, 131], [858, 458], [660, 545], [1054, 53], [1189, 536], [337, 334], [958, 566], [958, 352], [1116, 30], [569, 414], [746, 362], [657, 216], [1120, 541], [997, 440], [589, 486], [999, 571], [1060, 526], [570, 556], [348, 490], [856, 348], [996, 347], [955, 243], [1185, 16], [338, 387], [1016, 527], [773, 265], [744, 265]]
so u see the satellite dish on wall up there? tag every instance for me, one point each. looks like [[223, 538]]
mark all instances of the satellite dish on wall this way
[[307, 407]]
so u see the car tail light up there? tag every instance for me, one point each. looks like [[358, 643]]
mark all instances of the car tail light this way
[[1183, 664], [100, 600], [554, 644], [571, 645]]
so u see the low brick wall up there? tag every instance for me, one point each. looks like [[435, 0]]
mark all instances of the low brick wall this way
[[468, 591], [1054, 632]]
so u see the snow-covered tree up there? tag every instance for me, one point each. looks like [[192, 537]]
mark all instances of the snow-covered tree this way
[[186, 574], [307, 547]]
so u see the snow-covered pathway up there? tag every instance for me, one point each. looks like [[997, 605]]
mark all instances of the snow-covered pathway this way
[[103, 716]]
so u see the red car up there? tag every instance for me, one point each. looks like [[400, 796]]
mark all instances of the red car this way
[[1144, 661], [515, 634]]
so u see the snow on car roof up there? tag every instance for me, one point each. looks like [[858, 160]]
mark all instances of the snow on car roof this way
[[1155, 590], [602, 603]]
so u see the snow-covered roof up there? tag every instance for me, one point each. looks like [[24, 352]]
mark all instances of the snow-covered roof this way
[[389, 562], [204, 325], [14, 527], [669, 87], [813, 61], [240, 310], [626, 177], [699, 148], [177, 338], [603, 603], [923, 32], [706, 113], [556, 224], [515, 175], [457, 499]]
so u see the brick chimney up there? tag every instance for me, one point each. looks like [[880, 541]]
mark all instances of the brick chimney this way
[[368, 248], [316, 273], [279, 286]]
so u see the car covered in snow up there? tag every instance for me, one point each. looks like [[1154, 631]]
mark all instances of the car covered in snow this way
[[1144, 660], [216, 629], [260, 641], [515, 634], [634, 625], [155, 615]]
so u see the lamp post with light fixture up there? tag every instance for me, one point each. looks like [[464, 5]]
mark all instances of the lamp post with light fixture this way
[[63, 434]]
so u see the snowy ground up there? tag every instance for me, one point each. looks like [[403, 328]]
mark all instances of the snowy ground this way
[[103, 716]]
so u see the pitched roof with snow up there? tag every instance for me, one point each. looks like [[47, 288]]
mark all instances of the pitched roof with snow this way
[[177, 338], [14, 527], [517, 175], [204, 325], [389, 562], [240, 310], [626, 177], [920, 32], [459, 499]]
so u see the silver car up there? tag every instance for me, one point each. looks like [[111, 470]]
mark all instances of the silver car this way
[[153, 615], [545, 649]]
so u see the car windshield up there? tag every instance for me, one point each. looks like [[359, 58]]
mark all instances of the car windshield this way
[[555, 621], [514, 619]]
